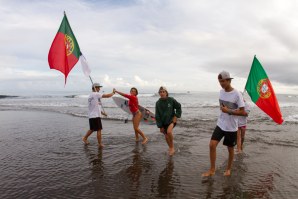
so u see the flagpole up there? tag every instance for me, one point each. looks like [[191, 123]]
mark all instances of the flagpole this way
[[91, 81]]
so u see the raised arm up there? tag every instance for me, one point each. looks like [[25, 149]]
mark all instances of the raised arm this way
[[122, 94], [109, 95]]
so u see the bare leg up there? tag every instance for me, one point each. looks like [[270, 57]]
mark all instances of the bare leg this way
[[230, 161], [136, 122], [242, 137], [167, 139], [100, 145], [170, 139], [135, 127], [85, 138], [239, 145], [212, 150]]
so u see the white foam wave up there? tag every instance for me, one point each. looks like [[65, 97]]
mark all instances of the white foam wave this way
[[292, 118], [288, 104], [82, 96], [146, 95]]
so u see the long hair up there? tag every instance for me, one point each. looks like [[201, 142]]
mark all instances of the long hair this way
[[135, 90]]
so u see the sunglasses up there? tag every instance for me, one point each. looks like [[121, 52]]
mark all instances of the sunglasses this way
[[162, 91]]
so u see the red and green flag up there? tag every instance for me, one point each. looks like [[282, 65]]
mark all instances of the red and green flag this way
[[259, 88], [65, 51]]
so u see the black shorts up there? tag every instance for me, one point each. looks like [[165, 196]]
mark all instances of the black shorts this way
[[167, 126], [95, 124], [230, 137]]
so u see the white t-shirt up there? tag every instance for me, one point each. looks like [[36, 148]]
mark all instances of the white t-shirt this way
[[243, 119], [233, 100], [94, 104]]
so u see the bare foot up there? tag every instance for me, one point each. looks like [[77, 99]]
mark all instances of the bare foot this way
[[85, 141], [171, 151], [208, 173], [137, 139], [145, 140], [227, 173], [238, 151], [101, 146]]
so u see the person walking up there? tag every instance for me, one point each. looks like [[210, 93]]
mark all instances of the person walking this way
[[133, 104], [167, 110], [231, 106], [95, 113]]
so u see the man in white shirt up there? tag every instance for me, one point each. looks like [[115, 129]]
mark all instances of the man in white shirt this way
[[231, 105], [95, 112]]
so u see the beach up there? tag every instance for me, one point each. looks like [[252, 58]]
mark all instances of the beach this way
[[42, 156]]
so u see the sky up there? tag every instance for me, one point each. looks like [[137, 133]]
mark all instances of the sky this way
[[180, 44]]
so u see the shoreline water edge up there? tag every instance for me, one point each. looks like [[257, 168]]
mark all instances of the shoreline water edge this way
[[43, 157]]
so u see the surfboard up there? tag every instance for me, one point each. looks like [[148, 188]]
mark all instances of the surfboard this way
[[147, 116]]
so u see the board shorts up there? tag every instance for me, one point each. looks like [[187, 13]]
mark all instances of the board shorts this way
[[242, 127], [230, 137], [135, 113], [167, 126], [95, 124]]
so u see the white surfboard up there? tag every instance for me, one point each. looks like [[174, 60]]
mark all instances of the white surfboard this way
[[147, 116]]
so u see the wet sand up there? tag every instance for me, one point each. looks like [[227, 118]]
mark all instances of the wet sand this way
[[42, 156]]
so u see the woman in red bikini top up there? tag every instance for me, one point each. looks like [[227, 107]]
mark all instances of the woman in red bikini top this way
[[133, 104]]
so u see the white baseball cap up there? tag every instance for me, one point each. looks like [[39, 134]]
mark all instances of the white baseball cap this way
[[224, 75], [96, 85]]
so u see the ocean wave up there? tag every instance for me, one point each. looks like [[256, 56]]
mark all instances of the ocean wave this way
[[288, 105], [204, 105], [113, 118], [146, 95], [173, 94], [43, 105], [191, 106], [76, 96], [70, 96], [290, 96], [86, 96], [292, 118], [7, 96], [273, 142]]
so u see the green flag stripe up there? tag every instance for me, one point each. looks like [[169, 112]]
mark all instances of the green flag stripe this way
[[256, 74], [66, 30]]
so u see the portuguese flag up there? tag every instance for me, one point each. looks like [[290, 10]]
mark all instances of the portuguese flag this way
[[65, 51], [261, 91]]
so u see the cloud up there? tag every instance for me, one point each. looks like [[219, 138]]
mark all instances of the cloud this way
[[140, 82], [148, 43]]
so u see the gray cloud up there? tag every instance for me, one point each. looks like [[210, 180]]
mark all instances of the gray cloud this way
[[172, 42]]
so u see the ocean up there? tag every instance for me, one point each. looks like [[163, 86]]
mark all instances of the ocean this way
[[42, 155], [196, 106]]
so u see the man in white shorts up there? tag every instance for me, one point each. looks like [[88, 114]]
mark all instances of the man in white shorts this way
[[231, 106]]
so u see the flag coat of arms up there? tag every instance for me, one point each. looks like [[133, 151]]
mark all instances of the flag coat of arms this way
[[65, 51], [259, 88]]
